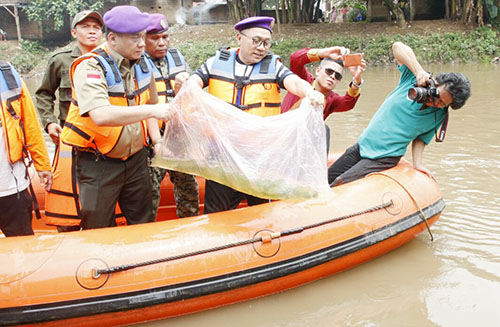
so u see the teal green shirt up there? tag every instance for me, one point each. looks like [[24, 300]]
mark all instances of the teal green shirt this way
[[398, 122]]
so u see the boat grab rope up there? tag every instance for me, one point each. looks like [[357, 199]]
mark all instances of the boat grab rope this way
[[264, 239], [412, 198]]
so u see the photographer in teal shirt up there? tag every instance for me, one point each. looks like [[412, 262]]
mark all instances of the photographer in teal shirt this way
[[413, 112]]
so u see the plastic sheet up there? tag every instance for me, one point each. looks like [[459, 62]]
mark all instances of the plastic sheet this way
[[277, 157]]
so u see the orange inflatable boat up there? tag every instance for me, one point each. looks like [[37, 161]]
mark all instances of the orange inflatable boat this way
[[131, 274]]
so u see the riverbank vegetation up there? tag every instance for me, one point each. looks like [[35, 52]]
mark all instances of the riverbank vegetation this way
[[433, 41], [477, 46]]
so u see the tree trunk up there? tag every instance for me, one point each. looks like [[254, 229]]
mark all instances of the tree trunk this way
[[480, 16], [467, 9], [397, 11], [369, 13], [277, 11]]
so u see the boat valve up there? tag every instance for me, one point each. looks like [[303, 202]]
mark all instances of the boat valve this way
[[96, 273]]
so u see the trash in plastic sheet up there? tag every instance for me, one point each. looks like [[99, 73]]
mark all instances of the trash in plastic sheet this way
[[276, 157]]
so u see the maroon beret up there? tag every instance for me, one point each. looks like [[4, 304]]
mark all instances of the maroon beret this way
[[158, 24], [257, 21], [126, 19]]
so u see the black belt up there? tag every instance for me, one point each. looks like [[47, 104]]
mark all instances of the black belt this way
[[104, 157]]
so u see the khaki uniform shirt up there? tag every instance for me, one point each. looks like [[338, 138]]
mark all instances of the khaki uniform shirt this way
[[56, 77], [92, 93]]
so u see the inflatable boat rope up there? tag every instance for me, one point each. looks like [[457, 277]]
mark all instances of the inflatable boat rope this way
[[412, 198], [96, 273]]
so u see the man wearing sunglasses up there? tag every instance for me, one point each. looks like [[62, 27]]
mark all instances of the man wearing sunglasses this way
[[328, 75], [250, 78], [400, 121]]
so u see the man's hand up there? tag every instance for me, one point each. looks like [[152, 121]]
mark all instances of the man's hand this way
[[180, 80], [157, 148], [315, 98], [163, 112], [357, 71], [45, 179], [334, 53], [424, 170], [54, 130], [423, 78]]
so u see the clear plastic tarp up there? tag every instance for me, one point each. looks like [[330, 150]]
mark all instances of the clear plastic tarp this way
[[276, 157]]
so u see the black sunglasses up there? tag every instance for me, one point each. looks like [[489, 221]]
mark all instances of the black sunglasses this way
[[330, 72]]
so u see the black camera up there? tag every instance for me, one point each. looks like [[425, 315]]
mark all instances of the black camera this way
[[422, 94]]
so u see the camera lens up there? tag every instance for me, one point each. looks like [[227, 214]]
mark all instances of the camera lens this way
[[417, 93]]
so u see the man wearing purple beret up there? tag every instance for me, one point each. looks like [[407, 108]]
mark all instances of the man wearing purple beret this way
[[109, 140], [248, 77], [170, 73]]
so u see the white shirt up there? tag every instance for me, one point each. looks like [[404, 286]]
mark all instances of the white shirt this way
[[12, 176]]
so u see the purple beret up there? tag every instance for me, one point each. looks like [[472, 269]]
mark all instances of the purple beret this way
[[158, 24], [126, 19], [257, 21]]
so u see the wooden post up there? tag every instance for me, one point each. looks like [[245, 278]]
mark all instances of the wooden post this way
[[18, 27], [278, 20], [15, 14], [412, 10]]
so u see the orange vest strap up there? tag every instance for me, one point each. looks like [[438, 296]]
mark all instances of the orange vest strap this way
[[77, 130]]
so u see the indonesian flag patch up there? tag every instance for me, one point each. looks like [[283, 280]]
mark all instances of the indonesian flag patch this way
[[94, 77]]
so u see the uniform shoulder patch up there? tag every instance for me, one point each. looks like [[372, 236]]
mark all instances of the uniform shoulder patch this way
[[61, 51]]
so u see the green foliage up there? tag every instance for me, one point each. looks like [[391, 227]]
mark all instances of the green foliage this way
[[34, 47], [481, 45], [58, 10], [197, 52], [491, 8], [32, 53]]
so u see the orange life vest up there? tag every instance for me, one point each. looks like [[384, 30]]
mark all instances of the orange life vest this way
[[62, 202], [81, 131], [21, 129], [165, 84], [258, 94]]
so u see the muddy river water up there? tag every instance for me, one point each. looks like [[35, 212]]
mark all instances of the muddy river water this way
[[453, 281]]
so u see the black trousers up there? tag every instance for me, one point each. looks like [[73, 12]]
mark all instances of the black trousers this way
[[327, 132], [351, 166], [104, 182], [220, 197], [15, 214]]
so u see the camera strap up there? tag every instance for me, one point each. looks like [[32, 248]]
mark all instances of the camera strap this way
[[442, 130]]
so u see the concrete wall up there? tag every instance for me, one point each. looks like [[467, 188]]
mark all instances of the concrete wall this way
[[422, 9], [33, 31], [176, 11], [211, 13], [29, 30]]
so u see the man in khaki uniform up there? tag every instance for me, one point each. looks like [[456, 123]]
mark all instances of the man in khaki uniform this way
[[111, 158], [86, 28]]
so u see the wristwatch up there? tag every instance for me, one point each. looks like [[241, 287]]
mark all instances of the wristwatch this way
[[356, 84]]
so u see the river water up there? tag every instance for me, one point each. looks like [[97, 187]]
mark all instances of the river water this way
[[453, 281]]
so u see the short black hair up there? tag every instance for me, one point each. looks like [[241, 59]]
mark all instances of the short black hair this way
[[458, 85], [327, 59]]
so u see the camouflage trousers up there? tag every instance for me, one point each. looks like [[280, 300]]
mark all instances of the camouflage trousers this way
[[185, 191]]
